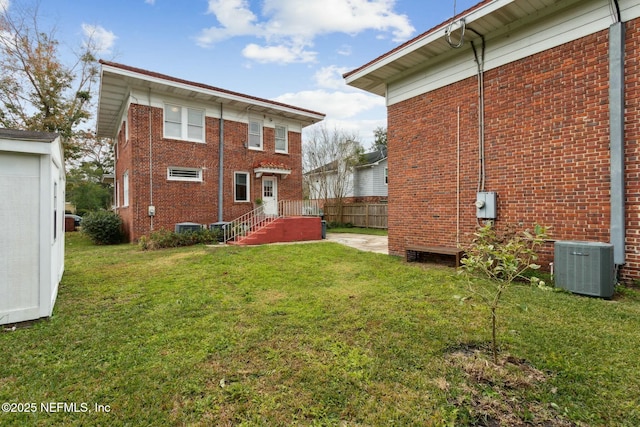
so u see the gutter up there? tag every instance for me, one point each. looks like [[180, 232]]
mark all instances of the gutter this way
[[221, 168]]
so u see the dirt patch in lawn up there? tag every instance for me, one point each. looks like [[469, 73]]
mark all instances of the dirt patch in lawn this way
[[501, 394]]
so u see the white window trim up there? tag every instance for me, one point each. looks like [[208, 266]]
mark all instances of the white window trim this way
[[235, 196], [184, 123], [261, 123], [117, 193], [125, 189], [172, 177], [286, 139]]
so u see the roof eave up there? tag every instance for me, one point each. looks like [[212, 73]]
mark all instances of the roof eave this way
[[129, 78], [374, 76]]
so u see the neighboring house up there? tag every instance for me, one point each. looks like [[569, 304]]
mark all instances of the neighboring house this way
[[364, 182], [32, 190], [189, 152], [370, 178], [538, 105]]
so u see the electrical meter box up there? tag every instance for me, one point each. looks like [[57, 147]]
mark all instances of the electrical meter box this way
[[486, 205]]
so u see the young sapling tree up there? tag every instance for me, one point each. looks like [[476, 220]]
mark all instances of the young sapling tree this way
[[502, 258]]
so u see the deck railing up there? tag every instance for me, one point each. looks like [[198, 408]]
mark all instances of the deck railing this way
[[241, 226], [257, 218], [299, 208]]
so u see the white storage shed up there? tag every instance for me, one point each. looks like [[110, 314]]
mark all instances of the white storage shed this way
[[32, 194]]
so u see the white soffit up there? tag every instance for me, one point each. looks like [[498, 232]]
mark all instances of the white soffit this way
[[485, 19]]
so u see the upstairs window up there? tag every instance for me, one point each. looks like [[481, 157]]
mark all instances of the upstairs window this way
[[183, 123], [184, 174], [255, 134], [281, 139]]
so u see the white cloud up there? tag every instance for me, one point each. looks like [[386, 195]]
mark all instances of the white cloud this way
[[4, 5], [289, 27], [151, 2], [98, 38], [339, 105], [279, 54], [313, 17], [331, 77], [235, 18]]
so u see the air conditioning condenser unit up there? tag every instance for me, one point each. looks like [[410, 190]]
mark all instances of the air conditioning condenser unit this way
[[585, 268], [186, 227]]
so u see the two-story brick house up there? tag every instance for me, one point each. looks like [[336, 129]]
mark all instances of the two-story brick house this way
[[534, 101], [190, 152]]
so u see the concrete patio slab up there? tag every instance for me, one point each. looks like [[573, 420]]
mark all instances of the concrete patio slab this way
[[364, 242]]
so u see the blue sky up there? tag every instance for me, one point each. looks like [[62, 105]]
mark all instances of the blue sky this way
[[293, 51]]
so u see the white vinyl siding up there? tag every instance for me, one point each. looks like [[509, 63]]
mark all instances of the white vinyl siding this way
[[255, 135], [184, 174], [241, 187], [371, 181], [282, 145], [183, 123]]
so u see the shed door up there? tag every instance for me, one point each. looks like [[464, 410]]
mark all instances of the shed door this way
[[20, 235]]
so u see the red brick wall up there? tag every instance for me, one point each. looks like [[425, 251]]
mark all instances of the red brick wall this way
[[546, 148], [123, 163], [178, 201]]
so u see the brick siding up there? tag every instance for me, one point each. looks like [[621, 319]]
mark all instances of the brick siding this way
[[179, 201], [546, 147]]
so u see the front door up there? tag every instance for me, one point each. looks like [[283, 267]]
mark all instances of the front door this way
[[270, 195]]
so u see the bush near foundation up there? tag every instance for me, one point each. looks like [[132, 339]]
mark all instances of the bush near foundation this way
[[168, 239], [103, 227]]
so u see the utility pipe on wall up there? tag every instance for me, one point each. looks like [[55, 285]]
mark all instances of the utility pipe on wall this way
[[458, 178], [150, 160], [221, 168], [479, 59]]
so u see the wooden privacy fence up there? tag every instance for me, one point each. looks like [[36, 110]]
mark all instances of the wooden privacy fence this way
[[359, 214]]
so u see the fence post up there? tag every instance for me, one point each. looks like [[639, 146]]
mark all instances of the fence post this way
[[366, 215]]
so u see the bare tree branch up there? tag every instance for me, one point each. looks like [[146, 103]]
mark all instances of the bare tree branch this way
[[329, 157]]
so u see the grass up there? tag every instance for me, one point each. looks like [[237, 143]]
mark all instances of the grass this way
[[358, 230], [314, 334]]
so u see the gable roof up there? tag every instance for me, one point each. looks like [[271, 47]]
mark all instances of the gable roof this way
[[484, 18], [372, 158], [117, 80]]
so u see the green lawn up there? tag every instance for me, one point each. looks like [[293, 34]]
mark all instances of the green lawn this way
[[313, 334], [359, 230]]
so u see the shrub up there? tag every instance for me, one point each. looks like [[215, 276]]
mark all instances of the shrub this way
[[103, 227], [168, 239]]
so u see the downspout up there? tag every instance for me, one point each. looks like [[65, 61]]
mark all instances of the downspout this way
[[616, 130], [221, 168], [458, 178], [150, 162]]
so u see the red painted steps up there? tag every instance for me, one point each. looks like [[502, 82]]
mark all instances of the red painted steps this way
[[289, 229]]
